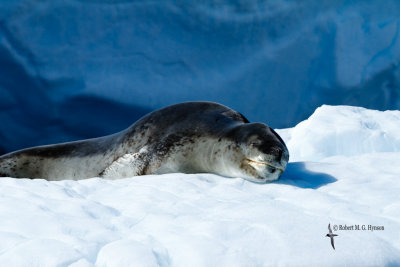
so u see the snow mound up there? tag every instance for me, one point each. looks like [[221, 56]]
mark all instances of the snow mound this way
[[343, 130]]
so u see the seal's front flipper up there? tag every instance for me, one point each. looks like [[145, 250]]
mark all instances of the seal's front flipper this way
[[126, 166]]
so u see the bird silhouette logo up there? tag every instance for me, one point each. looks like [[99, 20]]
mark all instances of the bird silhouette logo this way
[[331, 235]]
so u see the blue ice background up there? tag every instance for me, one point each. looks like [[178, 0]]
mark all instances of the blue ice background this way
[[83, 68]]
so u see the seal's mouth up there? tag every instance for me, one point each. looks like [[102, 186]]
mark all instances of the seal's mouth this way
[[262, 164]]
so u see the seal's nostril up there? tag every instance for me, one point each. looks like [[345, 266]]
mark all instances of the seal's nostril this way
[[271, 169]]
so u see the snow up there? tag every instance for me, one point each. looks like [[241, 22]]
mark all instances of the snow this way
[[65, 64], [209, 220], [343, 130]]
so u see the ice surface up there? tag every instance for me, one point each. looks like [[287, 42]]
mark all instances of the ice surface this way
[[76, 69], [208, 220], [343, 130]]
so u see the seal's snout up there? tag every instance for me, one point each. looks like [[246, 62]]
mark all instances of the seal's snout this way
[[283, 156], [277, 152], [280, 153]]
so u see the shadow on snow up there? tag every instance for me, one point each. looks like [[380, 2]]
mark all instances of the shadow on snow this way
[[297, 174]]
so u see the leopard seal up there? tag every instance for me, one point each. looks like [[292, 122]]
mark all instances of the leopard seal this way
[[190, 137]]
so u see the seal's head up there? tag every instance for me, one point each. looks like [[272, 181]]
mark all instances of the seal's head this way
[[262, 156]]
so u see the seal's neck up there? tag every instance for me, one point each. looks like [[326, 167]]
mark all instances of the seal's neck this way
[[223, 159]]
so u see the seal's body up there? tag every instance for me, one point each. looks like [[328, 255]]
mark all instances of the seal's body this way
[[190, 137]]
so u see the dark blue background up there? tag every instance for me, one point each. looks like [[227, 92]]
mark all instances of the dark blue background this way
[[78, 69]]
